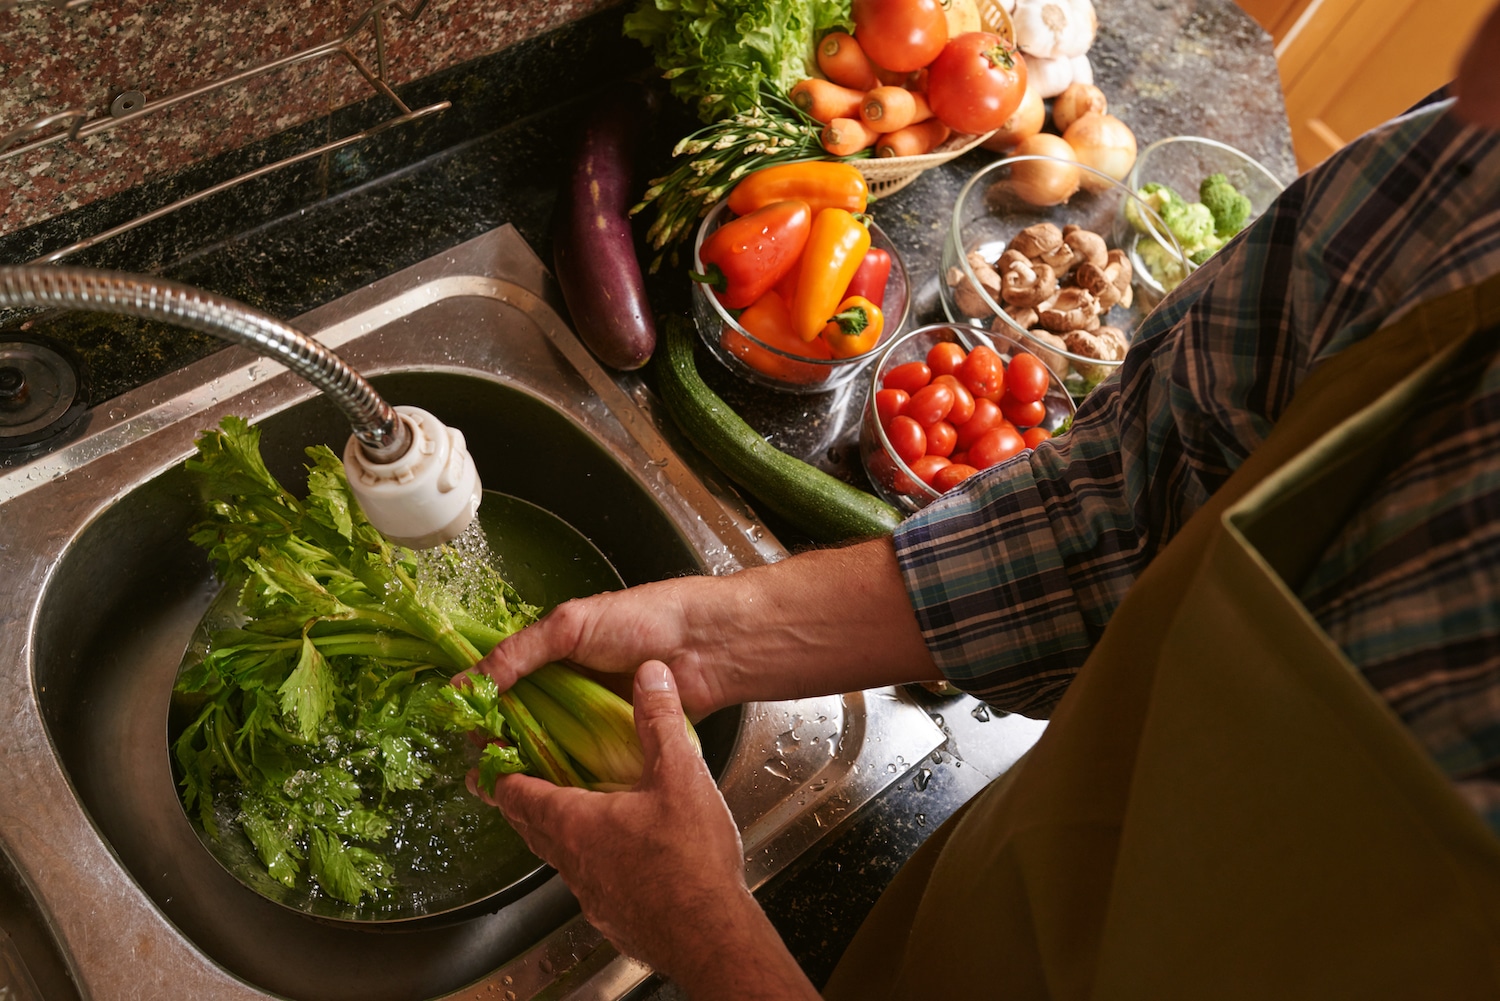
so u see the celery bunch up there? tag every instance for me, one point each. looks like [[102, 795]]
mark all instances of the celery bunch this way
[[332, 698]]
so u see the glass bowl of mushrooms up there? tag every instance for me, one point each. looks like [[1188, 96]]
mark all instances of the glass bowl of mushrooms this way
[[1040, 249]]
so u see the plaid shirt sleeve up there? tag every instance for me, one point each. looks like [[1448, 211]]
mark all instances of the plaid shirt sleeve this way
[[1014, 576]]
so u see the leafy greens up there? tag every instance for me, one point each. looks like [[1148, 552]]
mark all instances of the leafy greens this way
[[717, 53]]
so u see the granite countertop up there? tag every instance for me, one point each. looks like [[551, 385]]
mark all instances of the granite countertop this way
[[310, 234]]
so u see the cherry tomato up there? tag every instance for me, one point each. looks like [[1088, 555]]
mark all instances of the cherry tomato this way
[[959, 458], [1035, 436], [945, 357], [1023, 415], [986, 415], [976, 82], [908, 440], [995, 446], [941, 439], [901, 35], [1026, 379], [889, 403], [963, 400], [951, 476], [910, 376], [930, 404], [929, 466], [984, 373]]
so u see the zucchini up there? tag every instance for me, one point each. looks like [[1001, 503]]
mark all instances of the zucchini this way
[[824, 507]]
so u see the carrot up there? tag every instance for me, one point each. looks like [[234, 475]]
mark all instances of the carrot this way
[[924, 110], [914, 140], [844, 136], [886, 109], [824, 100], [845, 63]]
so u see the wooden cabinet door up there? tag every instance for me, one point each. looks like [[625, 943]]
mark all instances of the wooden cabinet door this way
[[1348, 65]]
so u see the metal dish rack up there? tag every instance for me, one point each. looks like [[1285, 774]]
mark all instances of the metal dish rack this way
[[73, 124]]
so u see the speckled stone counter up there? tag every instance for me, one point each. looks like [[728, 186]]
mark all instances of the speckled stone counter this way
[[314, 233]]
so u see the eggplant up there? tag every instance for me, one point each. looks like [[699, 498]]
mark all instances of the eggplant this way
[[593, 246]]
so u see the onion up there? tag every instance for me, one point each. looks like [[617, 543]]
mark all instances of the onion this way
[[1075, 102], [1045, 182], [1025, 123], [1104, 143]]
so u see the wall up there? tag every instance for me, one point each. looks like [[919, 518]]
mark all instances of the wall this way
[[54, 60]]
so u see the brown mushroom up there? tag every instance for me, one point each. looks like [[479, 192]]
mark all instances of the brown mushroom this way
[[1056, 362], [1106, 344], [966, 297], [1098, 283], [1010, 259], [1086, 246], [1027, 285], [1024, 316], [1037, 241], [1073, 309], [1120, 272]]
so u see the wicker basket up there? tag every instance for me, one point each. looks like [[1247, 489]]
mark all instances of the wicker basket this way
[[888, 174]]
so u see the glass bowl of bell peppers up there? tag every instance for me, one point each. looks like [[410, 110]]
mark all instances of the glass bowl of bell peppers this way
[[795, 288]]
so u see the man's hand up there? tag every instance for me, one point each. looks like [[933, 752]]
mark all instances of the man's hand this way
[[659, 870]]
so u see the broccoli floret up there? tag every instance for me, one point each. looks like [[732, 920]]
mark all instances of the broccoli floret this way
[[1191, 222], [1163, 265], [1158, 197], [1201, 254], [1230, 209]]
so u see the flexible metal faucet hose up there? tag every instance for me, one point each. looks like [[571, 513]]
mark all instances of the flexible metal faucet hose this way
[[374, 422]]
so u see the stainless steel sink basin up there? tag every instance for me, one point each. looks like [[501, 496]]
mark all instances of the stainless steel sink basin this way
[[100, 591]]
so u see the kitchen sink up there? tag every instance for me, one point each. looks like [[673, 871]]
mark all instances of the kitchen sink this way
[[101, 591]]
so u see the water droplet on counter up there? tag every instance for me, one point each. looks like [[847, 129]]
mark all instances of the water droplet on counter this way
[[937, 718], [921, 820], [981, 713], [545, 965], [920, 780], [778, 768]]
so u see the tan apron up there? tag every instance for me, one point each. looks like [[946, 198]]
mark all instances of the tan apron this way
[[1220, 807]]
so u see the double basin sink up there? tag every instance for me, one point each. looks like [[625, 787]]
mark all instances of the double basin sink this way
[[100, 592]]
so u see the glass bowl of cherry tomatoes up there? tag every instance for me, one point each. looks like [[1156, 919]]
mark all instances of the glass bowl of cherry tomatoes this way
[[758, 340], [948, 401]]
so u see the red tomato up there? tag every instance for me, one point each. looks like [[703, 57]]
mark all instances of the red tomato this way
[[900, 35], [930, 404], [1023, 415], [941, 439], [984, 373], [959, 458], [889, 403], [963, 400], [951, 476], [995, 446], [976, 82], [1035, 436], [929, 466], [910, 376], [945, 357], [986, 415], [1026, 379], [908, 440]]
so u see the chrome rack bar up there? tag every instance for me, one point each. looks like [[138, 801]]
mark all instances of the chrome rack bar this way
[[79, 128]]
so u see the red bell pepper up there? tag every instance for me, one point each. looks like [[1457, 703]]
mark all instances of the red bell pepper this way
[[870, 279], [748, 255]]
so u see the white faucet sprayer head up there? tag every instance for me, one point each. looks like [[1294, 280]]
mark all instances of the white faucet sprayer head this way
[[424, 497]]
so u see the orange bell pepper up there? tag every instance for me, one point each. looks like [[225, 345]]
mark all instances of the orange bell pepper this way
[[855, 328], [820, 183], [833, 252], [769, 321]]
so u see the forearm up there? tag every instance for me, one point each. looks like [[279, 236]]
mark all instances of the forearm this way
[[741, 956], [821, 622]]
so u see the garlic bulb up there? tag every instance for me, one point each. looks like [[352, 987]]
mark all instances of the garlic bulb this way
[[1083, 70], [1049, 77], [1054, 29]]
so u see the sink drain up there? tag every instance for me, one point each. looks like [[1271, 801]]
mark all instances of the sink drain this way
[[39, 396]]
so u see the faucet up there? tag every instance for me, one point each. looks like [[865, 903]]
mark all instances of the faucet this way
[[412, 475]]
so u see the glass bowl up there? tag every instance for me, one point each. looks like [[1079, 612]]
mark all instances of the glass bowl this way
[[990, 212], [1181, 163], [748, 356], [893, 480]]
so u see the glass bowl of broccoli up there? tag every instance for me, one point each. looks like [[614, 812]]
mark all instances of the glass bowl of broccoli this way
[[1205, 191]]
